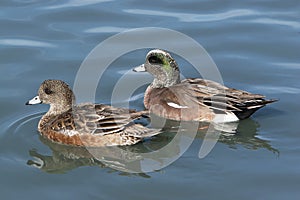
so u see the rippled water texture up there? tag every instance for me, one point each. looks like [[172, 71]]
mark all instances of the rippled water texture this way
[[255, 45]]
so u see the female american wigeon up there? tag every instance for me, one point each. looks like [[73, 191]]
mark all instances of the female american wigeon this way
[[193, 99], [88, 124]]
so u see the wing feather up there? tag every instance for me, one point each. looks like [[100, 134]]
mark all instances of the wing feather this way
[[94, 119]]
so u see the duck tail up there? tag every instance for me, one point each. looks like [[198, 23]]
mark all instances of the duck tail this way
[[251, 106]]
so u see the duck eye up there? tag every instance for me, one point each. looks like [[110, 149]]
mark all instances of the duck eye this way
[[155, 60], [48, 91]]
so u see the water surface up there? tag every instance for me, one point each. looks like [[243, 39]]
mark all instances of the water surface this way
[[255, 46]]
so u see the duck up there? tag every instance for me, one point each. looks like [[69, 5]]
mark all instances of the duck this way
[[86, 124], [193, 99]]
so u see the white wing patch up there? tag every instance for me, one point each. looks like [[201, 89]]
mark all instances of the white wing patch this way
[[175, 105], [252, 107], [224, 118], [70, 132]]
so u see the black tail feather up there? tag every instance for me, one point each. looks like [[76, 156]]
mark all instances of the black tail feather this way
[[251, 107]]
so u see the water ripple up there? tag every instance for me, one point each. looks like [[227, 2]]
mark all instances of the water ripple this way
[[269, 21], [18, 130], [188, 17], [278, 89], [23, 42], [106, 29], [288, 65], [75, 3]]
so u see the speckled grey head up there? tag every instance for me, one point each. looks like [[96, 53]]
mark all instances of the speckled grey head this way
[[56, 93], [162, 66]]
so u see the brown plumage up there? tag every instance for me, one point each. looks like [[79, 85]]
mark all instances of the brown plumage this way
[[88, 124], [193, 99]]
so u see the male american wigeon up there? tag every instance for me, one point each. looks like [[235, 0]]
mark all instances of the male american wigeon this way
[[88, 124], [193, 99]]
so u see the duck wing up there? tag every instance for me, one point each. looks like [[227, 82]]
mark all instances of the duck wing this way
[[99, 120], [220, 98]]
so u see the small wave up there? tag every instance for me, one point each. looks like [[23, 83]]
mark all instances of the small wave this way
[[14, 124], [106, 29], [187, 17], [75, 3], [22, 42], [279, 89], [288, 65], [18, 134], [292, 24]]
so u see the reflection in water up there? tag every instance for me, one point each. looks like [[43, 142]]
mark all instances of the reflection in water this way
[[246, 136], [243, 133], [122, 159], [65, 158]]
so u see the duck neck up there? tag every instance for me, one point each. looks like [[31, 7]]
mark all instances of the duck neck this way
[[147, 96], [161, 80], [54, 111], [44, 121], [166, 79]]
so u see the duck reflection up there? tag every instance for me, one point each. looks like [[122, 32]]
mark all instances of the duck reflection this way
[[246, 136], [124, 159], [243, 133], [148, 156]]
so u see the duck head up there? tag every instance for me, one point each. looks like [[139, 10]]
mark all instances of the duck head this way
[[162, 66], [56, 93]]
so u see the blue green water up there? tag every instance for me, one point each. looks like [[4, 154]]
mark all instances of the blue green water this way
[[255, 46]]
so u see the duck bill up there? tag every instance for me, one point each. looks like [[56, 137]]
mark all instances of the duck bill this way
[[34, 100], [140, 68]]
